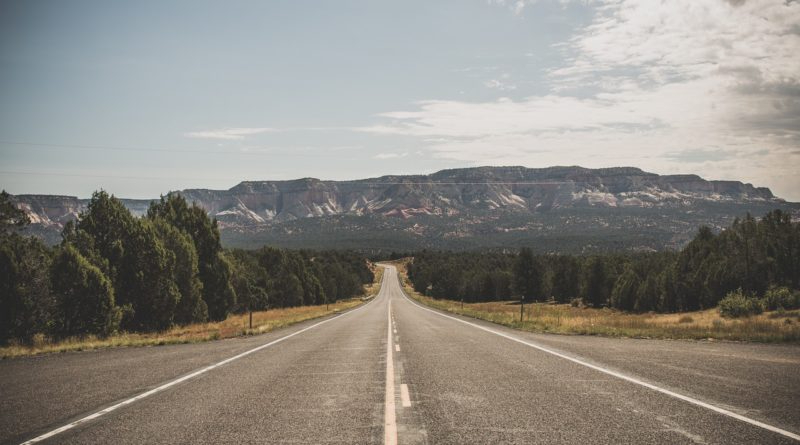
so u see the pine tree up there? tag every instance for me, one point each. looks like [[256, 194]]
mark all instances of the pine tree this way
[[596, 279], [527, 275], [84, 294]]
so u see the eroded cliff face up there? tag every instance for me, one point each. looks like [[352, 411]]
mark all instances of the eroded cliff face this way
[[459, 197], [461, 191]]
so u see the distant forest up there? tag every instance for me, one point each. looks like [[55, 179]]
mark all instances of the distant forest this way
[[115, 272], [752, 255]]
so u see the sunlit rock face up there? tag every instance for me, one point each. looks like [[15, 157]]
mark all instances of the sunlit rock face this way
[[455, 204]]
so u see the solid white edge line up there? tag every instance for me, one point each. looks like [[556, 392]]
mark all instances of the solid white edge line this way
[[688, 399], [404, 397], [171, 383], [389, 417]]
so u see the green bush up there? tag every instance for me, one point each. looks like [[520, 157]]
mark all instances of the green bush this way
[[738, 304], [780, 297]]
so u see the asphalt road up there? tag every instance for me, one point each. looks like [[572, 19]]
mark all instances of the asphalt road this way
[[448, 380]]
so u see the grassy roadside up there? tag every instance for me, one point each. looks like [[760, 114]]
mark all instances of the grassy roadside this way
[[236, 325], [771, 327]]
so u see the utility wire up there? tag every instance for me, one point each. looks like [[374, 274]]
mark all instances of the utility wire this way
[[354, 181], [167, 150]]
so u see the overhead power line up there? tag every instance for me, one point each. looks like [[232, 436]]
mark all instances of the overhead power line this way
[[167, 150]]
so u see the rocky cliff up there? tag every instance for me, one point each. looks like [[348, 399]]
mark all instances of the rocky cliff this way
[[460, 200]]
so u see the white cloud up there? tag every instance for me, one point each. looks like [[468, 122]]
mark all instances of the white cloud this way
[[236, 133], [500, 85], [704, 76], [390, 155]]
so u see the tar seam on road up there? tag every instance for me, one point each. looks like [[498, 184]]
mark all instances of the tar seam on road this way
[[389, 420], [174, 382], [688, 399]]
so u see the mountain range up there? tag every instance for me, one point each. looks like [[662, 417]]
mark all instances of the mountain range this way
[[556, 209]]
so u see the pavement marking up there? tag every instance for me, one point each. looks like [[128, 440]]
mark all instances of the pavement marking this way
[[397, 347], [404, 398], [618, 375], [389, 420], [172, 383]]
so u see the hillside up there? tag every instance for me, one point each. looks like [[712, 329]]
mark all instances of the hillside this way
[[569, 209]]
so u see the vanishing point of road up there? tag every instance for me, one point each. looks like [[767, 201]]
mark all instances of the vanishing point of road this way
[[392, 371]]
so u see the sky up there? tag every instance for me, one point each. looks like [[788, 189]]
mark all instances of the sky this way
[[141, 98]]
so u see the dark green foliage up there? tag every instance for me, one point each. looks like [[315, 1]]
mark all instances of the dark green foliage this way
[[596, 282], [214, 270], [146, 279], [26, 302], [468, 276], [11, 217], [751, 255], [113, 270], [103, 229], [170, 268], [218, 292], [740, 304], [185, 273], [283, 278], [625, 291], [781, 298], [563, 283], [85, 297], [648, 293], [527, 275]]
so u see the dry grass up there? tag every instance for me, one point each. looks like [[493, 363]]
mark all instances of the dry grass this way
[[565, 319], [234, 326]]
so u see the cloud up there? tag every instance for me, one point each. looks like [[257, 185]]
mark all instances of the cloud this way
[[709, 86], [390, 155], [516, 6], [236, 133], [500, 85]]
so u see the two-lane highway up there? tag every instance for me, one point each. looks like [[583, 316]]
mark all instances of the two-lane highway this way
[[393, 371]]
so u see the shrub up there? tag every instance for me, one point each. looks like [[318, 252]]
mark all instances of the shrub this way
[[780, 297], [738, 304], [686, 319]]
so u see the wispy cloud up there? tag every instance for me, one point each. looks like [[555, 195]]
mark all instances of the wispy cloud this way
[[501, 84], [236, 133], [390, 155]]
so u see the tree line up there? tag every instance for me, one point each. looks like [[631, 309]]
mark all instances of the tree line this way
[[751, 255], [114, 271]]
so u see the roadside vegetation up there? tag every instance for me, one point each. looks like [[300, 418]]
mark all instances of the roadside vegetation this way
[[117, 278], [742, 283], [235, 325], [551, 317], [754, 258]]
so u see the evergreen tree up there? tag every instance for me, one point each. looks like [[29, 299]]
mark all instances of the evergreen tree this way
[[596, 279], [146, 279], [623, 296], [185, 273], [214, 269], [108, 223], [648, 294], [85, 296], [527, 275], [26, 304], [11, 216]]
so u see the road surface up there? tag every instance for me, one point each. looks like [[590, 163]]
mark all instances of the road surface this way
[[392, 371]]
